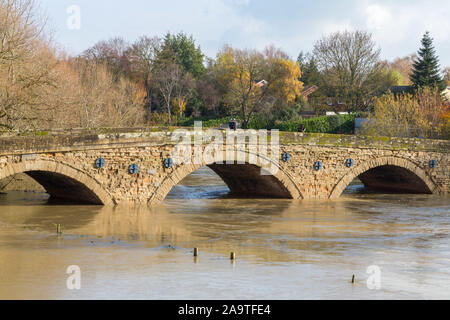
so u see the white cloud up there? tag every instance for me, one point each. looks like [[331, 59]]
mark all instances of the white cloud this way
[[401, 19], [335, 26], [397, 26], [378, 16]]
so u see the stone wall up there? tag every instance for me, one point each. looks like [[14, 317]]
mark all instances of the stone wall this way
[[73, 154]]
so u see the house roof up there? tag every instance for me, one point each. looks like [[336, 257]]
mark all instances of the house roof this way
[[261, 83], [309, 90]]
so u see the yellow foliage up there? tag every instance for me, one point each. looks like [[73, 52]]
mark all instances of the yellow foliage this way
[[446, 123], [251, 81], [179, 105], [419, 115], [284, 80]]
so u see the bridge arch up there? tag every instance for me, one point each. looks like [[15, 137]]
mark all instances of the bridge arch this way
[[61, 181], [240, 178], [408, 176]]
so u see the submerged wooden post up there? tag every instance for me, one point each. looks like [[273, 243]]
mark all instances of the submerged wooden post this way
[[353, 279], [58, 229], [233, 256], [195, 252]]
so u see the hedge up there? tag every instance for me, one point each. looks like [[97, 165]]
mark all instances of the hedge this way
[[339, 124], [327, 124]]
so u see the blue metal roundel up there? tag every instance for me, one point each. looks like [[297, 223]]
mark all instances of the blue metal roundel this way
[[133, 169], [168, 163], [286, 157], [318, 166], [433, 164], [100, 163], [350, 163]]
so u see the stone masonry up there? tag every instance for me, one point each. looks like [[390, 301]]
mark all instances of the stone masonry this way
[[64, 164]]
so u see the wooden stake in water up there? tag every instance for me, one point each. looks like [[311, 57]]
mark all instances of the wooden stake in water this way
[[58, 229], [233, 256], [353, 279], [195, 252]]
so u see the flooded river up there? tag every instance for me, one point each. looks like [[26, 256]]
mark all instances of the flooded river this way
[[285, 249]]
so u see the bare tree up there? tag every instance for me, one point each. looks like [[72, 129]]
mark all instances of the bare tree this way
[[19, 27], [183, 91], [142, 56], [166, 81], [111, 52], [26, 66], [209, 92], [40, 88], [347, 57], [99, 99], [349, 63]]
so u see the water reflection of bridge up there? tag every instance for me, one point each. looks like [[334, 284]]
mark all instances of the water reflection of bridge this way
[[266, 230]]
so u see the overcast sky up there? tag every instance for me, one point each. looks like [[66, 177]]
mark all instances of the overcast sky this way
[[293, 25]]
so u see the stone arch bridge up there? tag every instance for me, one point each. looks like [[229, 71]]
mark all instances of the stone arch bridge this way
[[95, 167]]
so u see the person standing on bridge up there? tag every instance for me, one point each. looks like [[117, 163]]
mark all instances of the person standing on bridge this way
[[301, 128], [233, 124]]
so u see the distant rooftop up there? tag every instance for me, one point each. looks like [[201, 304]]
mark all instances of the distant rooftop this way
[[309, 90]]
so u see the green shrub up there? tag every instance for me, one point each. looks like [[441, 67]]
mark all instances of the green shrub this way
[[288, 126], [206, 122], [339, 124], [327, 124], [261, 121]]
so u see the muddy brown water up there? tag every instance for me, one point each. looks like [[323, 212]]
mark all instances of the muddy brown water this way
[[285, 249]]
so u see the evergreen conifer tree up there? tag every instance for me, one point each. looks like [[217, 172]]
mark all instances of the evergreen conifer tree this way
[[426, 71]]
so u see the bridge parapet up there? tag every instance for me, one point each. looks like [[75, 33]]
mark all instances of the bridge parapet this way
[[52, 141]]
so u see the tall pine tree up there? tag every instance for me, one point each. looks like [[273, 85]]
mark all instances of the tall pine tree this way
[[426, 71]]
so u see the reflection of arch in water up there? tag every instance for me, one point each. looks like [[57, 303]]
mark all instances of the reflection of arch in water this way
[[389, 174], [135, 223], [242, 179], [61, 181], [158, 226]]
